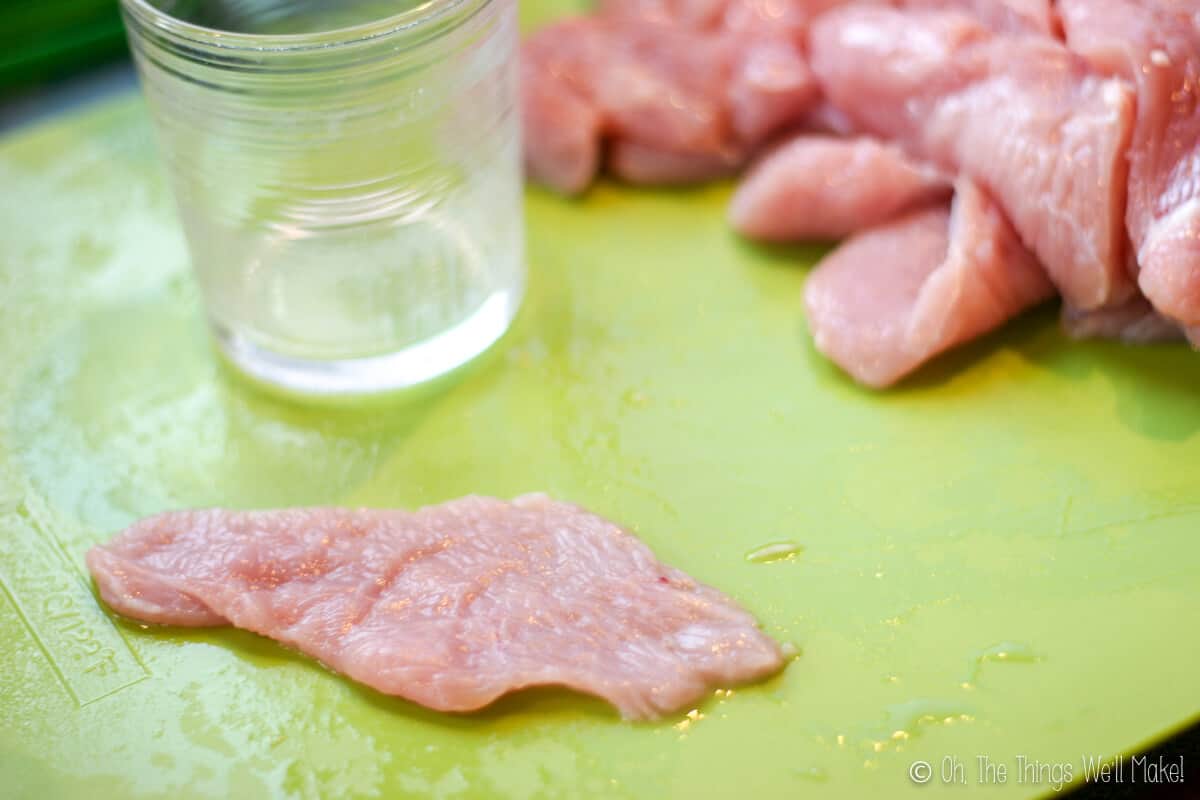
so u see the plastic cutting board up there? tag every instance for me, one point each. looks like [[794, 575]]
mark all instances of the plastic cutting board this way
[[1027, 496]]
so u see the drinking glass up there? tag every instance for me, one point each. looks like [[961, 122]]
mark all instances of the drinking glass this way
[[347, 174]]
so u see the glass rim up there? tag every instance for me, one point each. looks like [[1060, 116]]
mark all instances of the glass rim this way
[[336, 38]]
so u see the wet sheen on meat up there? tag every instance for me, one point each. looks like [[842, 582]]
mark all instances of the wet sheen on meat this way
[[1155, 44], [450, 606], [1023, 116]]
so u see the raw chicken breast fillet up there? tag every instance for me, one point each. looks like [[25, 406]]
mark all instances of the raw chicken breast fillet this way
[[891, 298], [1155, 44], [701, 100], [1027, 119], [450, 606], [819, 187]]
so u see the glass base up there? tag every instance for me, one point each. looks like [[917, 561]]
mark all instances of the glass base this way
[[415, 365]]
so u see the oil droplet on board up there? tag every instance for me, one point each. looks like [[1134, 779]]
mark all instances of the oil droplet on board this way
[[689, 719], [786, 550], [906, 721], [1007, 652]]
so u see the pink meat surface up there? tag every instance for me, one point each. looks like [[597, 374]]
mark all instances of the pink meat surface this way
[[1134, 321], [703, 100], [1155, 44], [1023, 116], [699, 15], [642, 165], [561, 128], [1005, 16], [795, 16], [660, 86], [890, 299], [825, 118], [450, 606], [771, 87], [791, 17], [586, 80], [818, 187]]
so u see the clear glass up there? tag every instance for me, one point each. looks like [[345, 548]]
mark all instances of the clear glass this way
[[348, 178]]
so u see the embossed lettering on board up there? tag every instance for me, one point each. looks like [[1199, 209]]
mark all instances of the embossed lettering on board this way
[[87, 652]]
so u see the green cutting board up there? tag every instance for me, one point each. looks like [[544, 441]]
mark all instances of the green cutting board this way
[[1027, 495]]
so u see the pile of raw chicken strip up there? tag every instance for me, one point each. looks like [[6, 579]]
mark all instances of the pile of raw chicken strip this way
[[977, 156]]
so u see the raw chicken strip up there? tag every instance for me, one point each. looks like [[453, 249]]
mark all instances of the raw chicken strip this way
[[662, 90], [1156, 45], [659, 86], [1020, 114], [890, 299], [701, 100], [450, 606], [771, 85], [795, 16], [818, 187]]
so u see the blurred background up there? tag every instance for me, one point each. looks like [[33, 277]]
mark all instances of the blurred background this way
[[43, 40], [55, 53]]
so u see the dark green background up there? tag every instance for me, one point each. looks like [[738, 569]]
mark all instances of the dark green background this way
[[41, 40]]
